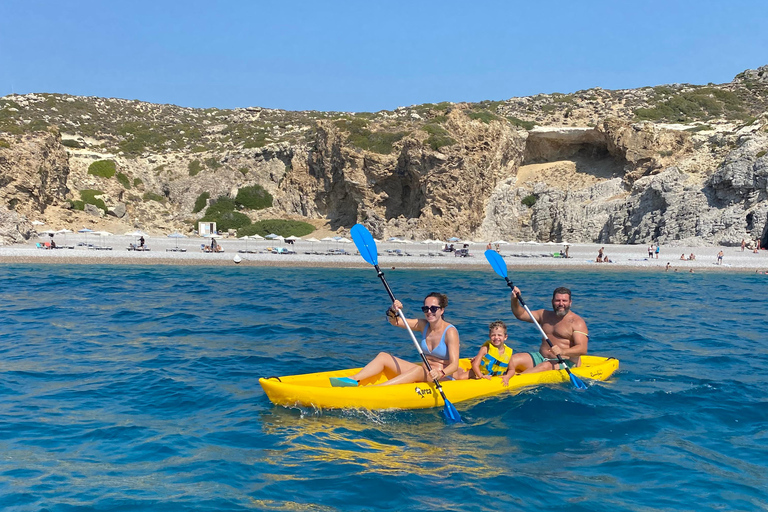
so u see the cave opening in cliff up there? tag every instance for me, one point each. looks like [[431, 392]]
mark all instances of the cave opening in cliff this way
[[579, 151]]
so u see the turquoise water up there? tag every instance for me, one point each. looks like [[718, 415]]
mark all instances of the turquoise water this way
[[136, 388]]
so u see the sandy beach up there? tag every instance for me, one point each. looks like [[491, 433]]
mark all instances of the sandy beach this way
[[187, 251]]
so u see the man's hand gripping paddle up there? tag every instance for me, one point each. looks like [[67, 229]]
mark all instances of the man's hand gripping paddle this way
[[367, 247], [498, 265]]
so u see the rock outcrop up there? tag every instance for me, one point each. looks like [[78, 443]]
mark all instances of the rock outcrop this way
[[34, 170]]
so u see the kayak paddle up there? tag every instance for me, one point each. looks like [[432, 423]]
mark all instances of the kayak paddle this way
[[367, 247], [498, 265]]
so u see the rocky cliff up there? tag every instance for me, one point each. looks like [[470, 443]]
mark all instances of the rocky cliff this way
[[666, 164]]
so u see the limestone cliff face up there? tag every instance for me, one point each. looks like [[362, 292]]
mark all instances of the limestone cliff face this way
[[639, 192], [415, 191], [668, 164], [33, 177]]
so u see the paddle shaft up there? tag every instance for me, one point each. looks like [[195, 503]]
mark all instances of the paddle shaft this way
[[408, 327]]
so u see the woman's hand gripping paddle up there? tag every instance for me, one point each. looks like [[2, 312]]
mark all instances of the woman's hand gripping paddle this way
[[367, 247], [498, 264]]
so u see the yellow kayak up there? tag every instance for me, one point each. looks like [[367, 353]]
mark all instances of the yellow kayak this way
[[314, 389]]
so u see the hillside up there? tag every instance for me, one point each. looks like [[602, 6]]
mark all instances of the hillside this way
[[669, 163]]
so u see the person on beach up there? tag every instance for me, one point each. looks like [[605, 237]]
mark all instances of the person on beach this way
[[720, 258], [493, 357], [743, 244], [658, 250], [600, 255], [682, 257], [666, 269], [692, 257], [650, 251], [439, 342], [565, 329]]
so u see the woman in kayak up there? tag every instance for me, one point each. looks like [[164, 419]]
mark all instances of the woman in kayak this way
[[439, 342]]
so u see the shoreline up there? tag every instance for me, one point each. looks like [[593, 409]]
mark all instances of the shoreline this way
[[166, 251]]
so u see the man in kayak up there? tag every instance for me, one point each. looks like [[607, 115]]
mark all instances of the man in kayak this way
[[565, 329], [440, 344]]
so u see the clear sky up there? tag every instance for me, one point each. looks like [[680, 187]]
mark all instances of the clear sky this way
[[369, 55]]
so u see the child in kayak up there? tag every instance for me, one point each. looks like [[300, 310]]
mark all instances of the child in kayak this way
[[493, 357]]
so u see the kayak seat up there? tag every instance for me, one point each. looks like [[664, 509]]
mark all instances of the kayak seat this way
[[342, 382]]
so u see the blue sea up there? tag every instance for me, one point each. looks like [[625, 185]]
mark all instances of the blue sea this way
[[136, 388]]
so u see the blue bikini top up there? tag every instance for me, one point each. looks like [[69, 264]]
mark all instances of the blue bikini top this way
[[441, 350]]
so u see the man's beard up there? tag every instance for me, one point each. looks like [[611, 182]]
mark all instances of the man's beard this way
[[562, 312]]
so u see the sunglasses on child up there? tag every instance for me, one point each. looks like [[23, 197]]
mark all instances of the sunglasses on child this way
[[433, 309]]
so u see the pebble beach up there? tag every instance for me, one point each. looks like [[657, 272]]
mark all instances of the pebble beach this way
[[187, 251]]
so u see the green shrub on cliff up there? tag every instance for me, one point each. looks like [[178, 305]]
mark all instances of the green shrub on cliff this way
[[102, 168], [139, 137], [222, 212], [438, 136], [4, 143], [279, 227], [697, 104], [194, 167], [151, 196], [254, 197], [123, 179], [360, 136], [200, 202], [71, 143], [228, 220], [483, 116], [530, 200], [89, 197], [213, 163], [526, 125]]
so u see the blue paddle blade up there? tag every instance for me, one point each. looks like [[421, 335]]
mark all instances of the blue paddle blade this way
[[577, 381], [497, 262], [365, 243], [450, 413]]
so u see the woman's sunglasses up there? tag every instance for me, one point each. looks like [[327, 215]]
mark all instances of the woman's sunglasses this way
[[433, 309]]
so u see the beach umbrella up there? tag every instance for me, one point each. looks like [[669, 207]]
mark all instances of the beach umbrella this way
[[256, 237], [272, 236], [500, 242], [454, 239], [293, 237], [85, 231], [246, 238], [311, 239], [101, 234], [176, 235], [342, 240], [64, 232], [137, 234]]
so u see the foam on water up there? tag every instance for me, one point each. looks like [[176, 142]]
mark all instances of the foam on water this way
[[135, 388]]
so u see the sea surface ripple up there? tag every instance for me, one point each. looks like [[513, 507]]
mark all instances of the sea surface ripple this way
[[136, 388]]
